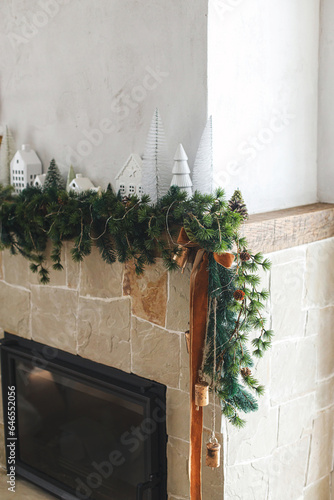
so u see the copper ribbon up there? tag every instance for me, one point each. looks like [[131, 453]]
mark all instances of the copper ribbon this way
[[199, 284]]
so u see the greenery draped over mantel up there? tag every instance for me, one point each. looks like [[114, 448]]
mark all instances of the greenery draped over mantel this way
[[133, 229]]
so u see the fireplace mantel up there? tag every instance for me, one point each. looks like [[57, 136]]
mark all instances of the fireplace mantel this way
[[272, 231]]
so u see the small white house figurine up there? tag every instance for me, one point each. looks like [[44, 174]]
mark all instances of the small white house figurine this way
[[181, 171], [81, 184], [24, 168], [39, 181], [129, 178]]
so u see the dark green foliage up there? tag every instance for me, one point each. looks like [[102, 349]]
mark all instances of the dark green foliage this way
[[53, 179], [132, 229], [235, 320]]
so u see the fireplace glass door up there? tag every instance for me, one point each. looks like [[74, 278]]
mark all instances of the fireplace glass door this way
[[96, 439]]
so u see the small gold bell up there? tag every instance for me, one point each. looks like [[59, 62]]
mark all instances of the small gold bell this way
[[213, 453], [201, 394]]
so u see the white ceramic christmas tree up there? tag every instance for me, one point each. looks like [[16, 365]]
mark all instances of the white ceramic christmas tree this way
[[203, 166], [70, 177], [156, 163], [181, 171], [7, 152]]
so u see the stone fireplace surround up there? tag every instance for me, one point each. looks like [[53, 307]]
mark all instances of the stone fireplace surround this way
[[108, 314]]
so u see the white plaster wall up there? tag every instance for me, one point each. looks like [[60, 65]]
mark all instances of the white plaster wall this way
[[67, 66], [263, 76], [326, 104]]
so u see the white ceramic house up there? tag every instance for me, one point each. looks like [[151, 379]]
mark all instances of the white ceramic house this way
[[81, 184], [39, 181], [129, 178], [24, 168]]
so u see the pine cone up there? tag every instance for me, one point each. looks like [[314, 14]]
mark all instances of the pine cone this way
[[245, 372], [237, 204], [239, 295], [244, 256]]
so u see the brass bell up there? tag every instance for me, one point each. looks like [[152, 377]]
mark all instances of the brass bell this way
[[213, 453]]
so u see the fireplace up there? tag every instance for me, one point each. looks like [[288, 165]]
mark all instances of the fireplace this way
[[82, 429]]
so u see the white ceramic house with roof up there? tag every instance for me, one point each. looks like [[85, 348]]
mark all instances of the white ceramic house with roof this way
[[24, 168], [39, 181], [81, 184], [129, 178]]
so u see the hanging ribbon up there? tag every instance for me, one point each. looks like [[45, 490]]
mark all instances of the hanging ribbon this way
[[199, 284]]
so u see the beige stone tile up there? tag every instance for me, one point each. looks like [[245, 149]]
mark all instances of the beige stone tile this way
[[148, 292], [321, 323], [319, 276], [287, 286], [1, 265], [322, 452], [184, 370], [256, 440], [248, 481], [57, 278], [293, 369], [104, 331], [295, 419], [54, 317], [279, 476], [178, 463], [319, 490], [14, 310], [287, 470], [23, 490], [325, 393], [98, 279], [178, 300], [155, 353], [287, 255], [16, 269], [178, 413], [72, 268]]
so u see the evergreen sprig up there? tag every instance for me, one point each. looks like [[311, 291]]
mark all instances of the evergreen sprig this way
[[133, 229]]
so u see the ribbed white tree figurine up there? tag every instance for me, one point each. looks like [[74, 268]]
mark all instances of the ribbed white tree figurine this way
[[181, 171], [7, 151], [156, 163], [203, 166], [70, 176]]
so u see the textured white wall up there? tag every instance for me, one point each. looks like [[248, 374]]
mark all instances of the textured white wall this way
[[326, 104], [85, 77], [263, 76], [69, 67]]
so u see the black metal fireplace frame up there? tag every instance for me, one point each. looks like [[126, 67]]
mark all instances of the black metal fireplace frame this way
[[129, 386]]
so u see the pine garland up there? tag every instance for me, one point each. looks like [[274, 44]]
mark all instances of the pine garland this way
[[133, 229]]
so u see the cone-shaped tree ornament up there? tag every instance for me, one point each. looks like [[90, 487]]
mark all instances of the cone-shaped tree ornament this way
[[7, 152], [181, 171], [70, 176], [53, 177], [203, 166], [156, 162], [237, 204]]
